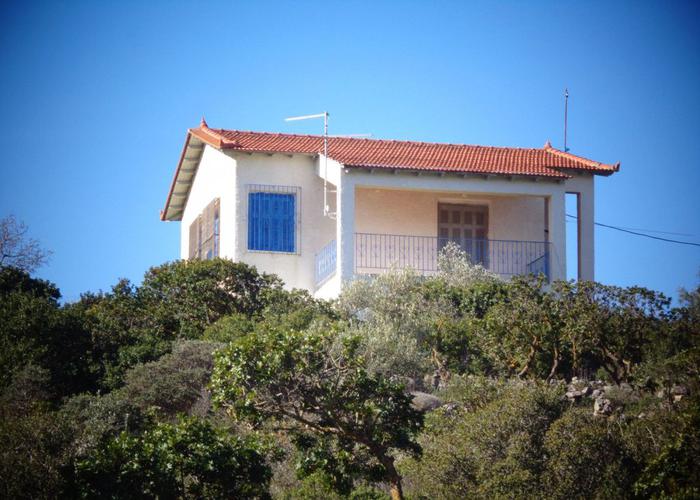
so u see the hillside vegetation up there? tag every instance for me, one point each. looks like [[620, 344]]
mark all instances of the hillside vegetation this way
[[209, 380]]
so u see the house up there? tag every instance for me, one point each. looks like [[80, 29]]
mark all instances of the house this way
[[276, 202]]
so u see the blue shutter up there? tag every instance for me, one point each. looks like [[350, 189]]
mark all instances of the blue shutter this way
[[271, 224]]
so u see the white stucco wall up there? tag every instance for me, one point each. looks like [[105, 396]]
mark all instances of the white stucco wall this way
[[388, 211], [215, 178], [584, 186], [297, 270]]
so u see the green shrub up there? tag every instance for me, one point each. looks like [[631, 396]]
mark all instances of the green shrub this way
[[173, 383], [187, 459], [491, 449], [586, 458]]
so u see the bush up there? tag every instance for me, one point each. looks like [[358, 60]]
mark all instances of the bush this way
[[586, 458], [187, 459], [173, 383], [492, 448]]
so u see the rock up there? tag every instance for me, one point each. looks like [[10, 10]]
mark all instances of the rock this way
[[574, 380], [602, 407], [626, 387], [422, 401], [608, 388], [596, 394], [585, 391], [680, 390], [573, 394], [451, 408]]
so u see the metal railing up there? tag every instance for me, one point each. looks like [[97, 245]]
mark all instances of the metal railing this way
[[376, 253], [325, 261]]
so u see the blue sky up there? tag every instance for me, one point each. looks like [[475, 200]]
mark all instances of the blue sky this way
[[95, 99]]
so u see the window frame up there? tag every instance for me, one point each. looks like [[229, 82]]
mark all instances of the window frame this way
[[296, 226]]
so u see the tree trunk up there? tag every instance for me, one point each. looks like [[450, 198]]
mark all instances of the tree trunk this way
[[395, 490], [530, 358], [555, 364]]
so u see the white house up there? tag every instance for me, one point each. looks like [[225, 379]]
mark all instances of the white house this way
[[259, 198]]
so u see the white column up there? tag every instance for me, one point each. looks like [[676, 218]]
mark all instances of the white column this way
[[557, 234], [586, 236], [345, 227]]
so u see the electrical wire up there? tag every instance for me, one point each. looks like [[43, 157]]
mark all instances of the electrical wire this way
[[641, 234]]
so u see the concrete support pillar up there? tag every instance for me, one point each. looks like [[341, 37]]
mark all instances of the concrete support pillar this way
[[586, 236], [557, 234], [345, 227]]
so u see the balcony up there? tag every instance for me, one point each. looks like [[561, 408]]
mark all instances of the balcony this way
[[377, 253]]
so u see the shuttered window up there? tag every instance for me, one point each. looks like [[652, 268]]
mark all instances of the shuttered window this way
[[271, 222], [204, 233]]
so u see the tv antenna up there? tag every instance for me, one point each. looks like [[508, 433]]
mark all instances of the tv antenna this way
[[324, 115], [566, 116]]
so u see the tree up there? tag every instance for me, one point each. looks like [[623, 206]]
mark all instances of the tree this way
[[521, 332], [616, 327], [183, 298], [35, 329], [346, 421], [16, 249], [189, 459]]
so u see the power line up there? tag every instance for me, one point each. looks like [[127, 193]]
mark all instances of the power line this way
[[641, 234], [643, 229]]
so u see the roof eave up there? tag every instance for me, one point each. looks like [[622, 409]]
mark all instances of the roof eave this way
[[459, 173], [164, 213]]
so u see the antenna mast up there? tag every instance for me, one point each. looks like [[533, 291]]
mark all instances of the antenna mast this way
[[566, 116], [324, 115]]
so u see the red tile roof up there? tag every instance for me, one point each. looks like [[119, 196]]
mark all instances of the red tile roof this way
[[545, 162], [378, 153]]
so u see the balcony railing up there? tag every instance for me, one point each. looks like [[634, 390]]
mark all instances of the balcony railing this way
[[375, 253], [325, 262]]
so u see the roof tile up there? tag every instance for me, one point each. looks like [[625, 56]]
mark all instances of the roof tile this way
[[378, 153]]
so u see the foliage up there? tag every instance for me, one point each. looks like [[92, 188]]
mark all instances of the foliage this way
[[94, 419], [91, 392], [178, 300], [586, 458], [173, 383], [32, 450], [456, 269], [186, 459], [35, 330], [673, 472], [491, 448], [521, 333], [347, 421], [228, 328], [615, 326], [393, 316], [185, 297]]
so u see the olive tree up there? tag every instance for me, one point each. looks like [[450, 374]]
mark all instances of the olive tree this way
[[346, 421]]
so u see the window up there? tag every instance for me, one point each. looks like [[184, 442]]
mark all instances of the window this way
[[273, 218], [204, 233]]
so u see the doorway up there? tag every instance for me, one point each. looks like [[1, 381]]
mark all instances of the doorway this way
[[467, 227]]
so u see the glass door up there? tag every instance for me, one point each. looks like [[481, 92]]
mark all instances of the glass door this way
[[466, 226]]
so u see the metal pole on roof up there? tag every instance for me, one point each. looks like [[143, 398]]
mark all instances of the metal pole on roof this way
[[326, 208], [566, 116]]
